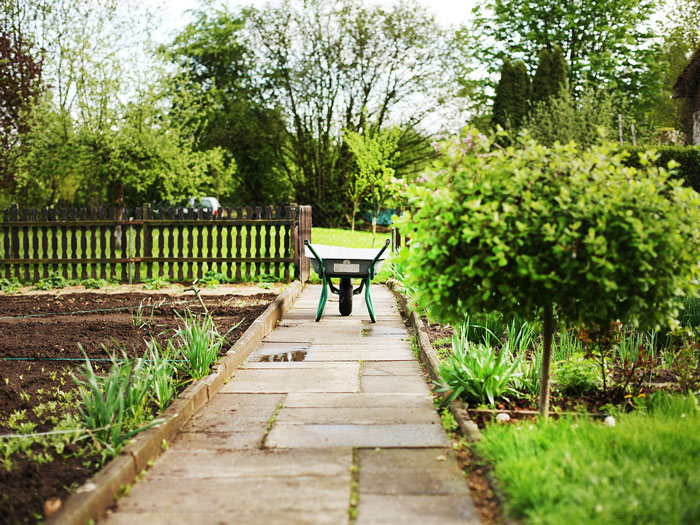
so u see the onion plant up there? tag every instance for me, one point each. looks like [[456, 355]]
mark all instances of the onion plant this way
[[115, 405], [198, 343], [162, 370]]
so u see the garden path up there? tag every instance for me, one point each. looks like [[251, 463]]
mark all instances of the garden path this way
[[294, 442]]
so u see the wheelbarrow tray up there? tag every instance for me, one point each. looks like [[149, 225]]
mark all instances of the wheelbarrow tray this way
[[340, 261], [345, 263]]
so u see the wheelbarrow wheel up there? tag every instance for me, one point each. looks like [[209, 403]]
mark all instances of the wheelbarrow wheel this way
[[345, 296]]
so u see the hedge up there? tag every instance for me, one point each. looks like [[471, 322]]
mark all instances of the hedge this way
[[687, 156]]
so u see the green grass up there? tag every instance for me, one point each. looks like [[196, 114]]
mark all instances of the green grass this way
[[352, 239], [643, 470]]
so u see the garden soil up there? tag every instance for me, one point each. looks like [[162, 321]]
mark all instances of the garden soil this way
[[42, 335]]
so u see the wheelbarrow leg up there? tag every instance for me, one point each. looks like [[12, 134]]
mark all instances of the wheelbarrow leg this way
[[322, 300], [368, 300]]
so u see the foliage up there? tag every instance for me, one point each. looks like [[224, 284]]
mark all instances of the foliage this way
[[156, 283], [510, 103], [561, 118], [114, 406], [643, 468], [374, 179], [604, 42], [513, 229], [577, 376], [687, 159], [476, 372], [215, 66], [198, 343], [20, 87], [550, 77], [9, 286], [336, 65], [53, 281], [524, 228]]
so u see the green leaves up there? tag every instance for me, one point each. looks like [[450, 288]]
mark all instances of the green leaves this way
[[513, 229]]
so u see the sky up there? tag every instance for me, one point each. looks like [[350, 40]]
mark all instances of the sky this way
[[447, 12]]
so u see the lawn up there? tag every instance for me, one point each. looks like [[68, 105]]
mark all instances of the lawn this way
[[352, 239], [645, 469]]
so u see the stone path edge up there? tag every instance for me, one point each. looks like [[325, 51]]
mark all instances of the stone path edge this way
[[97, 494], [429, 358]]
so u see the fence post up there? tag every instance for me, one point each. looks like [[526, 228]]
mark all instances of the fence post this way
[[303, 231]]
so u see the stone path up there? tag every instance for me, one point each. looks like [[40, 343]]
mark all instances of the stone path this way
[[291, 442]]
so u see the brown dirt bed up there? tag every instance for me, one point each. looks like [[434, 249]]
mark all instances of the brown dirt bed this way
[[48, 341]]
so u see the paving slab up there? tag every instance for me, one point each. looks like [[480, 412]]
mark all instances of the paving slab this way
[[359, 354], [358, 416], [410, 435], [391, 368], [397, 401], [414, 384], [426, 509], [234, 412], [340, 379], [410, 471]]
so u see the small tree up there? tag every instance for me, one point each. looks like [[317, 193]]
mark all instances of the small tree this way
[[374, 154], [528, 229], [510, 103]]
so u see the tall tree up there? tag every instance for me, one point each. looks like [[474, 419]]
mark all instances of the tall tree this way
[[541, 81], [511, 102], [603, 41], [216, 65], [335, 65]]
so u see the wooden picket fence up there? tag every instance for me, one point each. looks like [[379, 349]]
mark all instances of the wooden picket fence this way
[[242, 243]]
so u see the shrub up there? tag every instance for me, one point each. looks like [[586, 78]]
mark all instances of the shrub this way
[[578, 376], [687, 157], [521, 229]]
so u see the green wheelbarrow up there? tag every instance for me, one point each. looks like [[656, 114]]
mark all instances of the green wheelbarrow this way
[[346, 264]]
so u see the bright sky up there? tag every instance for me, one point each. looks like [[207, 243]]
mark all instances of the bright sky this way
[[447, 12]]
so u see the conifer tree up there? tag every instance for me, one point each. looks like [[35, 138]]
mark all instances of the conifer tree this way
[[521, 94], [504, 96], [540, 83], [558, 72]]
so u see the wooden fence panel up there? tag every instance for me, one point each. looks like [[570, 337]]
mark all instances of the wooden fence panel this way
[[181, 244]]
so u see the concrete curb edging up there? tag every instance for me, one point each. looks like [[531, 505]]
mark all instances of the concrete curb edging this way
[[432, 363], [90, 500]]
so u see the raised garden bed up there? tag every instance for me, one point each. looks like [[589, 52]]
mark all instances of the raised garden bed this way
[[39, 337]]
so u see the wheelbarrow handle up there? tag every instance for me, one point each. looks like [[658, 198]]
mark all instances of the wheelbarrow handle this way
[[320, 261], [374, 261]]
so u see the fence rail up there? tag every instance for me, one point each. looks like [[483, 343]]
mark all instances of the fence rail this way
[[242, 243]]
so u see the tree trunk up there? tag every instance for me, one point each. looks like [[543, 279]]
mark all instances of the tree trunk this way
[[374, 228], [546, 361], [354, 212]]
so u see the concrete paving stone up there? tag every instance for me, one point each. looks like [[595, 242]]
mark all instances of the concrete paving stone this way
[[397, 401], [363, 345], [300, 365], [336, 337], [248, 438], [296, 436], [391, 368], [357, 416], [268, 516], [394, 384], [411, 471], [234, 412], [426, 509], [214, 464], [341, 379], [289, 335], [255, 498], [360, 355]]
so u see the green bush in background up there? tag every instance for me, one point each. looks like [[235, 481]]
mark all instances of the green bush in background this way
[[687, 157]]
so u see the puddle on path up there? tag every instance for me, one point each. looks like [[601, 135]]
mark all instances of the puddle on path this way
[[297, 355]]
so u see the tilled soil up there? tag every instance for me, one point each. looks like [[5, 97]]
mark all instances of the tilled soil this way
[[39, 346]]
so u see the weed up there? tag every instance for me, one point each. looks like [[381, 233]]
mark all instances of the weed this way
[[449, 422], [53, 281], [10, 286]]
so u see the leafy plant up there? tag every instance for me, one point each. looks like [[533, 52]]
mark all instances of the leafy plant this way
[[114, 406], [141, 318], [521, 229], [212, 278], [578, 376], [162, 368], [53, 281], [198, 343], [477, 372], [156, 283], [9, 286]]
